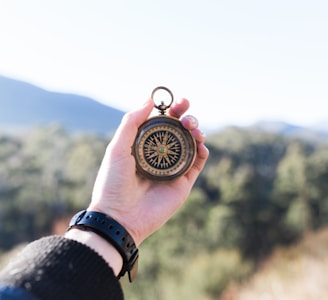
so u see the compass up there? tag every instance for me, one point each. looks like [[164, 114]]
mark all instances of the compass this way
[[163, 148]]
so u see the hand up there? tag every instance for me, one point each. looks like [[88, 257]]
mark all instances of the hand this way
[[141, 205]]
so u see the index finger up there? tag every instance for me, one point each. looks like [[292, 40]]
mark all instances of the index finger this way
[[178, 108]]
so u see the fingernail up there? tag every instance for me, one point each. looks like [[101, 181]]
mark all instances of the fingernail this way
[[193, 120]]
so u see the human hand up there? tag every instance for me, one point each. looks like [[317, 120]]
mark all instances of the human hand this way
[[141, 205]]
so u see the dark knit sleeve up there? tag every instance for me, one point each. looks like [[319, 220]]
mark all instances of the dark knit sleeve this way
[[59, 268]]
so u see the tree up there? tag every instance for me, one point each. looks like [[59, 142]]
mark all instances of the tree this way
[[318, 188], [292, 191]]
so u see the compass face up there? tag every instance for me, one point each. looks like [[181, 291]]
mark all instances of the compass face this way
[[163, 148]]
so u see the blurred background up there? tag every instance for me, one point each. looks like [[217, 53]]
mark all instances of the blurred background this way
[[255, 72]]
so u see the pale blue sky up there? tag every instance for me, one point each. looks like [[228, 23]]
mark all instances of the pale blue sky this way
[[236, 61]]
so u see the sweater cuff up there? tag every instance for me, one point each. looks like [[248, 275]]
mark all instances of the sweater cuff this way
[[59, 268]]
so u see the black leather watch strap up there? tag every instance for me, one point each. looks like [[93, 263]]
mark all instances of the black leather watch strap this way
[[114, 233]]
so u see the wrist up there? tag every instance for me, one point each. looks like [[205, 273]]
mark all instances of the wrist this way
[[100, 245], [114, 234]]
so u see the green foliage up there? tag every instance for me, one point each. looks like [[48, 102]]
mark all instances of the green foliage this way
[[258, 191], [44, 175], [212, 272]]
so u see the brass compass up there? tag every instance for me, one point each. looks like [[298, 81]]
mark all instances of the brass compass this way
[[163, 148]]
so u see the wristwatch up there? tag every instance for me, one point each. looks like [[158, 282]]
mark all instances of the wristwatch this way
[[114, 233]]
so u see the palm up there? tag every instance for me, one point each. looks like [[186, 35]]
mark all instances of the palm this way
[[139, 204]]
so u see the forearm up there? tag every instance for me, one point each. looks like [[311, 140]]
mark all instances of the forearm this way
[[101, 246], [62, 268]]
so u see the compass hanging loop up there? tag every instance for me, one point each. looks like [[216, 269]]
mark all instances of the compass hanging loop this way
[[162, 107]]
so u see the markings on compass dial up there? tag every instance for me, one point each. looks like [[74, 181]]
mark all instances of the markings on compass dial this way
[[162, 149]]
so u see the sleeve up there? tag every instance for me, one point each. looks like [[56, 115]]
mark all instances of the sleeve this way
[[11, 293], [59, 268]]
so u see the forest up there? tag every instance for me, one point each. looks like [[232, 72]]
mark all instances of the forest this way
[[258, 191]]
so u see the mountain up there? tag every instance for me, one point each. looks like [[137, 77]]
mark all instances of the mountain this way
[[316, 134], [23, 105]]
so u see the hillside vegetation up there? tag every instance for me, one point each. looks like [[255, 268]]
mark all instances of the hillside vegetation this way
[[259, 192]]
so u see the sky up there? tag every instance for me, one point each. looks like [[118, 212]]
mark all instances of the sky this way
[[237, 61]]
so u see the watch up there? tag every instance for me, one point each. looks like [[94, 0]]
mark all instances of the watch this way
[[163, 148], [114, 233]]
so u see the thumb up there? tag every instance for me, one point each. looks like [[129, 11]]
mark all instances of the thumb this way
[[127, 130]]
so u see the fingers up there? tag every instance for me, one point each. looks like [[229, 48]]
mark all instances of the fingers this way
[[178, 108], [200, 161], [191, 123], [198, 135]]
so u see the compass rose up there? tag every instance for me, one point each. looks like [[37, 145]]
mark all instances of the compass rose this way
[[162, 149]]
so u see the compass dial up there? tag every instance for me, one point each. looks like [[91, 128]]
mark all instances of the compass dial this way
[[163, 149]]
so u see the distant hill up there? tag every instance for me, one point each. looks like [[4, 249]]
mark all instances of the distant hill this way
[[316, 134], [23, 105]]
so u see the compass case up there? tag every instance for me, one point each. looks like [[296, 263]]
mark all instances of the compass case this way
[[163, 148]]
